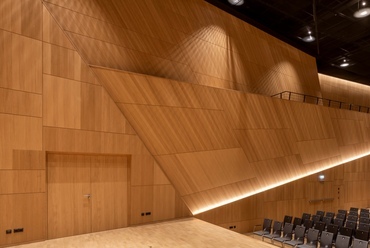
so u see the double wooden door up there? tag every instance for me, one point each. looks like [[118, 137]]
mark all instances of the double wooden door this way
[[86, 193]]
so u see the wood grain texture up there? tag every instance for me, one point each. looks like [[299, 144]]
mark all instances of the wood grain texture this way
[[20, 103], [342, 184], [63, 62], [109, 186], [69, 212], [189, 232], [215, 152], [71, 178], [19, 133], [23, 17], [344, 90], [25, 211], [190, 41], [51, 33], [28, 160], [22, 181], [21, 63], [51, 101], [62, 102]]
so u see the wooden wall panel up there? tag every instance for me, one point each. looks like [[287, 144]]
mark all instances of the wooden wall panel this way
[[80, 141], [342, 189], [25, 211], [66, 63], [62, 102], [21, 60], [344, 90], [22, 17], [51, 33], [100, 113], [51, 101], [22, 181], [20, 103], [19, 133], [193, 42], [279, 140], [28, 160]]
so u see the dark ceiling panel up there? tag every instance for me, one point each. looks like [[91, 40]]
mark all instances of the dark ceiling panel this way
[[340, 34]]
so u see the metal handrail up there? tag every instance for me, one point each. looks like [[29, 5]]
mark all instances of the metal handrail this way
[[292, 96]]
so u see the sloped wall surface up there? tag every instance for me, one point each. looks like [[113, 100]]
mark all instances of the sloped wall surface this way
[[190, 41], [218, 145]]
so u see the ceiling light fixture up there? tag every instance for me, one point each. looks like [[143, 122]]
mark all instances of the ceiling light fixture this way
[[308, 38], [344, 64], [236, 2], [363, 12]]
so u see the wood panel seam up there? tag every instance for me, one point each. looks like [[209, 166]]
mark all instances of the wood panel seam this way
[[88, 130]]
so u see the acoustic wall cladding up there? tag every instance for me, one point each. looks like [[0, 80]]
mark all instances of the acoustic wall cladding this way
[[51, 102], [190, 41], [219, 151]]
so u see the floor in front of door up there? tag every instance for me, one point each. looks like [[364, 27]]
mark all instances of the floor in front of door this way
[[189, 232]]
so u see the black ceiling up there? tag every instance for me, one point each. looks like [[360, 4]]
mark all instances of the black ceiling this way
[[339, 35]]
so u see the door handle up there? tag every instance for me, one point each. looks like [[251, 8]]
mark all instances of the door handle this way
[[87, 196]]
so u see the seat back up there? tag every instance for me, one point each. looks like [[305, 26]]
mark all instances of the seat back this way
[[327, 220], [362, 235], [297, 222], [332, 228], [364, 215], [352, 209], [287, 219], [321, 213], [316, 218], [276, 229], [351, 224], [326, 239], [305, 216], [364, 227], [357, 243], [267, 224], [345, 231], [342, 241], [364, 220], [338, 222], [299, 232], [308, 223], [312, 236], [320, 226], [288, 230], [330, 214], [364, 210], [352, 218], [342, 211], [341, 216], [353, 215]]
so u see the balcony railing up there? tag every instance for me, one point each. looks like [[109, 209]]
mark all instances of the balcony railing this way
[[287, 95]]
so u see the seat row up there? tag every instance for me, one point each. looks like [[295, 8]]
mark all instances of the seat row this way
[[320, 229], [302, 238]]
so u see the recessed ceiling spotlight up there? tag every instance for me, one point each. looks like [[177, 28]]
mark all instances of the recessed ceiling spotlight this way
[[308, 38], [236, 2], [344, 63], [361, 13]]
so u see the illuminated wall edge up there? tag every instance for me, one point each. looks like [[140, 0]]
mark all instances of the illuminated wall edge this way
[[227, 201]]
